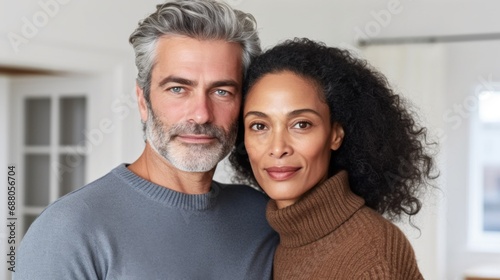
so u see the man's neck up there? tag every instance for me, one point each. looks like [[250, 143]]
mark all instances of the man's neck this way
[[154, 168]]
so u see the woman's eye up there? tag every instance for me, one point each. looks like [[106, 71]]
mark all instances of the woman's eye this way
[[257, 126], [302, 125], [221, 92]]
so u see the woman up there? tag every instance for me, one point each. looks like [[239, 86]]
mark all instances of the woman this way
[[334, 148]]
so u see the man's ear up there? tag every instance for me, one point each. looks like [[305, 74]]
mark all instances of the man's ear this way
[[141, 101], [337, 136]]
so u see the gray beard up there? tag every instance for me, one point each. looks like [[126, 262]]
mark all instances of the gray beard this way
[[185, 156]]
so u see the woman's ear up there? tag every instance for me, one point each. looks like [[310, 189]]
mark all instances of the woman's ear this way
[[337, 136]]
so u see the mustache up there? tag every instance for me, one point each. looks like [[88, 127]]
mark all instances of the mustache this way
[[194, 128]]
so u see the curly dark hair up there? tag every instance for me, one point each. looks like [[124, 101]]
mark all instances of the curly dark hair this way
[[384, 150]]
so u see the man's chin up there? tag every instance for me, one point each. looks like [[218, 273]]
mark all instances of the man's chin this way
[[194, 166], [195, 160]]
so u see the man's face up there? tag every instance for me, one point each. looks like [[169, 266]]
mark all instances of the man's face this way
[[195, 99]]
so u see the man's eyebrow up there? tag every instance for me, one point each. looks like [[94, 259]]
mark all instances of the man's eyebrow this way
[[225, 83], [183, 81], [177, 80]]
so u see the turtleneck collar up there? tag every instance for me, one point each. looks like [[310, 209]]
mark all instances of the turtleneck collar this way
[[319, 212], [168, 197]]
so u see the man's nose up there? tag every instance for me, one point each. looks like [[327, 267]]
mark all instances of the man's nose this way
[[200, 110]]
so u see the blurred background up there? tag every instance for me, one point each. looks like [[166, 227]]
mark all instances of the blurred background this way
[[68, 113]]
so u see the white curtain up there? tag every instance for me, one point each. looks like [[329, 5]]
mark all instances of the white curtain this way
[[418, 73]]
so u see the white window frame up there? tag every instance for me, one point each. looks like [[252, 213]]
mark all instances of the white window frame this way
[[53, 88], [479, 240]]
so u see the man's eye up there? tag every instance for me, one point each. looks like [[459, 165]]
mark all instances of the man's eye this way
[[257, 126], [221, 92], [175, 89]]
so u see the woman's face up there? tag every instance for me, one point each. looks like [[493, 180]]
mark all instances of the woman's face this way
[[288, 135]]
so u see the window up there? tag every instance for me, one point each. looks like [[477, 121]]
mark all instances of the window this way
[[50, 148], [484, 192]]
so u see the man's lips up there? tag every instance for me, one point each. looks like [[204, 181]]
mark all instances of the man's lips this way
[[196, 138], [281, 173]]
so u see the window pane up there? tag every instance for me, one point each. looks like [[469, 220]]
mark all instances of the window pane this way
[[491, 198], [72, 176], [37, 180], [72, 120], [489, 117], [28, 220], [37, 121], [489, 104]]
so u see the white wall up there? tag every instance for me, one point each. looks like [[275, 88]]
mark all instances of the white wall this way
[[467, 71], [417, 72]]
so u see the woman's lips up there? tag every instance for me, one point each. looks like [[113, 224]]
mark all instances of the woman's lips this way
[[281, 173]]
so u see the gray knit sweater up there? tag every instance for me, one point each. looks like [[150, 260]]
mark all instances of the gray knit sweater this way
[[123, 227]]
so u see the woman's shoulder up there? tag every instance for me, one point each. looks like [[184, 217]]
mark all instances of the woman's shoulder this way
[[385, 242], [375, 224]]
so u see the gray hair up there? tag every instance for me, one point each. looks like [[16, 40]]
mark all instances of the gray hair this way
[[200, 19]]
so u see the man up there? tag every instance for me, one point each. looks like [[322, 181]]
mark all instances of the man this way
[[162, 217]]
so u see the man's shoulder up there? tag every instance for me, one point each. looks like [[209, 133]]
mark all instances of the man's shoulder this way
[[83, 198], [241, 198], [239, 187], [241, 190], [65, 229]]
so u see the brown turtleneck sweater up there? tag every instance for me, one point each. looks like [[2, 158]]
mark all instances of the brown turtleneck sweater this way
[[330, 234]]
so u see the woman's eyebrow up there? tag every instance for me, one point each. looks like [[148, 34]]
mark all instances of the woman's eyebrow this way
[[302, 111], [290, 114], [255, 113]]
